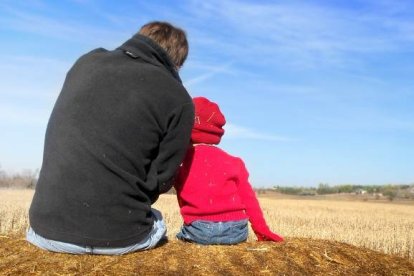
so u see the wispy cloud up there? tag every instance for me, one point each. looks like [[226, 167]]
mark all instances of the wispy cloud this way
[[51, 26], [30, 62], [31, 77], [303, 34], [400, 124], [12, 115], [28, 89], [239, 132], [210, 71]]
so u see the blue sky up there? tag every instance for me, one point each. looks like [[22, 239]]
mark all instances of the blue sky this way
[[313, 91]]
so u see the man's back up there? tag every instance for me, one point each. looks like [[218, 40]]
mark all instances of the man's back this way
[[105, 149]]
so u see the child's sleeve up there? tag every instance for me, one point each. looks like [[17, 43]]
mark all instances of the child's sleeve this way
[[253, 210]]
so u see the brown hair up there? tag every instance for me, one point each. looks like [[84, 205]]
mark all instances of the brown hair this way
[[172, 39]]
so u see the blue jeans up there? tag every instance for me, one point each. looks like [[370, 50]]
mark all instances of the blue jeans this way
[[157, 233], [209, 232]]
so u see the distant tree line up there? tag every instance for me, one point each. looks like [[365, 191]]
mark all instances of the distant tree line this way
[[389, 191], [25, 179]]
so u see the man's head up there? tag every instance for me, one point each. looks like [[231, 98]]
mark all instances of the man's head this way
[[208, 122], [172, 39]]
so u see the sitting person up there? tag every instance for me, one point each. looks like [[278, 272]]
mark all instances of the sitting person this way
[[118, 132], [215, 198]]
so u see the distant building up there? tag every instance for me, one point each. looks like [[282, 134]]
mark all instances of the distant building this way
[[360, 192]]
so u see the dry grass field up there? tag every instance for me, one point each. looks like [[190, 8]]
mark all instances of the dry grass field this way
[[323, 236], [387, 228], [14, 206]]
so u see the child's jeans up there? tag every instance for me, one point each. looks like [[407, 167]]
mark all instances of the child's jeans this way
[[157, 233], [209, 232]]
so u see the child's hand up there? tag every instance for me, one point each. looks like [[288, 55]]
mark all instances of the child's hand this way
[[267, 235]]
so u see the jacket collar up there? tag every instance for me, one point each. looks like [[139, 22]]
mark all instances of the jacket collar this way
[[142, 47]]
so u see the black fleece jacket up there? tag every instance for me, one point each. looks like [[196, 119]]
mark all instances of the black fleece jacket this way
[[116, 136]]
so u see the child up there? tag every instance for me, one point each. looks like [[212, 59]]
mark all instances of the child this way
[[214, 195]]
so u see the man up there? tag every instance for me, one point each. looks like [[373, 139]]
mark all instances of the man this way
[[116, 136]]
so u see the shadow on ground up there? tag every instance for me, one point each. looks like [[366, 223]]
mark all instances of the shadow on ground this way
[[296, 256]]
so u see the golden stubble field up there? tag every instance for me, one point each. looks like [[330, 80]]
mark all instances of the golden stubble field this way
[[383, 227]]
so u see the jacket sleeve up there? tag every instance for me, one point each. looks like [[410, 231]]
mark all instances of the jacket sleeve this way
[[253, 210], [173, 147]]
